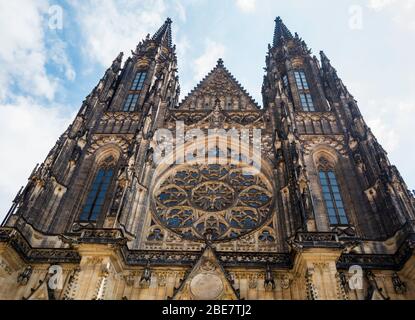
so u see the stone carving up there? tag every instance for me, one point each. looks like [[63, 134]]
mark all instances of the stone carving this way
[[269, 282], [312, 293], [218, 201], [24, 277], [145, 279], [373, 287], [285, 282], [398, 285], [206, 286]]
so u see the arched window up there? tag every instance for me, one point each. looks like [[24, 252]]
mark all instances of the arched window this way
[[332, 195], [97, 194], [137, 86], [306, 100]]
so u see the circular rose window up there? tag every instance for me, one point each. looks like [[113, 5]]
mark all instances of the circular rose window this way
[[213, 202]]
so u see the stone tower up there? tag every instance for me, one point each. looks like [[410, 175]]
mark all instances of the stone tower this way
[[213, 197]]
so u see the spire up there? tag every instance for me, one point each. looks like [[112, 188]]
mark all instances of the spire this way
[[281, 32], [163, 35]]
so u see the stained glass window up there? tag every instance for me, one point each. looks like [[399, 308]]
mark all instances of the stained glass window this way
[[285, 81], [301, 80], [131, 102], [97, 195], [138, 82], [304, 91], [216, 201], [307, 102], [333, 198]]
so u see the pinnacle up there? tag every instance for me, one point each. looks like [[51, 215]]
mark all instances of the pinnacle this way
[[281, 32], [163, 35]]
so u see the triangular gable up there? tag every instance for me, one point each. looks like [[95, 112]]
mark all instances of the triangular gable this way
[[218, 84], [207, 281]]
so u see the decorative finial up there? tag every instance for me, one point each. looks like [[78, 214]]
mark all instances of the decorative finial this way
[[278, 19], [220, 62], [169, 21]]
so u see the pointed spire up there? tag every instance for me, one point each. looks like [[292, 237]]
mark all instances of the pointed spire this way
[[164, 34], [281, 32]]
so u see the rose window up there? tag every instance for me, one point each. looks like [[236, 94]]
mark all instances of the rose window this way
[[212, 202]]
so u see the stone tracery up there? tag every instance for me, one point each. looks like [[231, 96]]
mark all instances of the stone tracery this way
[[220, 201]]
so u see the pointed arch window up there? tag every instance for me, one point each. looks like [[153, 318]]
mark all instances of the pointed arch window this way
[[130, 103], [306, 99], [97, 195], [332, 195], [301, 80], [138, 82]]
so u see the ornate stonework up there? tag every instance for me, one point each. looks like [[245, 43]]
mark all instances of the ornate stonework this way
[[322, 210]]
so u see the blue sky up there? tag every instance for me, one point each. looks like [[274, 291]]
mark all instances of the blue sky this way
[[48, 66]]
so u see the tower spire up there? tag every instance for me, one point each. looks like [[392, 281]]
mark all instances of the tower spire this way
[[163, 35], [281, 32]]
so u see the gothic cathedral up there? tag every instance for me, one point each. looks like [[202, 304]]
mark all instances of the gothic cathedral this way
[[320, 213]]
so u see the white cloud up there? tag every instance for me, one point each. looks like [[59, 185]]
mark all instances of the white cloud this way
[[391, 121], [378, 5], [206, 62], [59, 57], [28, 131], [403, 11], [23, 55], [181, 10], [246, 5], [110, 26]]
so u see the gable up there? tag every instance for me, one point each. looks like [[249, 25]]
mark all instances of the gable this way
[[219, 84], [207, 281]]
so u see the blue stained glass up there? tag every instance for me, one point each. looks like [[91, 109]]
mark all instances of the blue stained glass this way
[[264, 198], [96, 197], [342, 213], [174, 222], [139, 81], [326, 189], [200, 227], [332, 197], [343, 220], [339, 204], [222, 228], [333, 220], [164, 196], [248, 223]]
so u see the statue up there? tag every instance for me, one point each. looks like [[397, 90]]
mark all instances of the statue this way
[[146, 277], [269, 282], [398, 285], [24, 277]]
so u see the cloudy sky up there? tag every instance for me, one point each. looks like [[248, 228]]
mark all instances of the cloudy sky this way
[[48, 64]]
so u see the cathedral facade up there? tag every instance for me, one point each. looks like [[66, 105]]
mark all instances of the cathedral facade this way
[[213, 197]]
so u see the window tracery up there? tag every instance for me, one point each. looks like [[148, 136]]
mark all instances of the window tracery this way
[[331, 193], [222, 202]]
